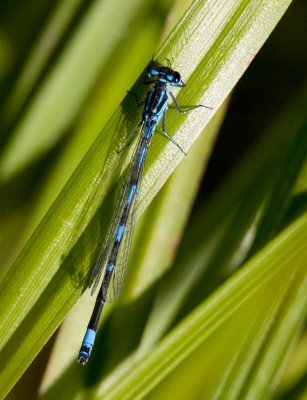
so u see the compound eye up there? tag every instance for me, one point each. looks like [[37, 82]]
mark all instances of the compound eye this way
[[176, 78]]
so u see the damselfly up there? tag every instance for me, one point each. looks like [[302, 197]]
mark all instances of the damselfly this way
[[113, 256]]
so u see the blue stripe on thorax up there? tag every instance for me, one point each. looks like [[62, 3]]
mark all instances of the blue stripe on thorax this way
[[156, 101], [160, 100]]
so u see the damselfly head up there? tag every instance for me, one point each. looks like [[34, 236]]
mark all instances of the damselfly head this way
[[164, 74]]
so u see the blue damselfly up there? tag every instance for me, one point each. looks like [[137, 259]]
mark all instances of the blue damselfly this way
[[113, 256]]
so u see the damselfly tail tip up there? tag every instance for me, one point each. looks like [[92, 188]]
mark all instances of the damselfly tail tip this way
[[87, 345], [83, 358]]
